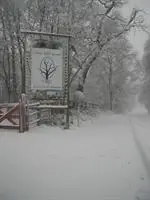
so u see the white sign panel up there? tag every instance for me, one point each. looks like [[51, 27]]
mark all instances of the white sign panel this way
[[47, 69]]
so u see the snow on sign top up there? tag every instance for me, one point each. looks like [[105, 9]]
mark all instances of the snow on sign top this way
[[47, 69]]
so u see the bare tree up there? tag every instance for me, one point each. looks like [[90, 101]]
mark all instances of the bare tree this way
[[101, 39], [47, 69]]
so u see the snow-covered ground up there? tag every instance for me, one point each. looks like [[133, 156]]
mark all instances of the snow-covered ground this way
[[100, 160]]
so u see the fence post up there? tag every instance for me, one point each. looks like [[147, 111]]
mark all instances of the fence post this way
[[21, 118], [38, 116], [24, 126], [78, 114], [27, 115]]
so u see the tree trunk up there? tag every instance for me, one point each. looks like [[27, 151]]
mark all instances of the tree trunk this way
[[14, 76], [13, 59], [6, 69], [7, 74], [86, 68], [110, 87], [22, 64]]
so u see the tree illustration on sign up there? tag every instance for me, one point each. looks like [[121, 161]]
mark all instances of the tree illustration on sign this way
[[47, 68]]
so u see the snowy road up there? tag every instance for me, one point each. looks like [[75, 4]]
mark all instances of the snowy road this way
[[99, 161]]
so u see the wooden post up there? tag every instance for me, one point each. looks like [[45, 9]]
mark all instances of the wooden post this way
[[23, 110], [68, 90], [27, 115], [78, 115], [38, 117], [24, 66], [21, 121]]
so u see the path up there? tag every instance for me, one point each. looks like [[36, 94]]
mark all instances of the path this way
[[140, 125], [99, 161]]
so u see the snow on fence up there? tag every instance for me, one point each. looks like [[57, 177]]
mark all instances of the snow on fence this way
[[46, 114], [18, 115], [24, 115], [13, 116]]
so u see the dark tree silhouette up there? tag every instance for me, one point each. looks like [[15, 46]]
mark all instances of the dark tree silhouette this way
[[47, 68]]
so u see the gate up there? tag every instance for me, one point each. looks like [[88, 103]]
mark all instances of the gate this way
[[14, 115]]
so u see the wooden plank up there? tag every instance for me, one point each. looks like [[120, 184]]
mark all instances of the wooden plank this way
[[32, 105], [33, 113], [46, 33], [7, 105], [6, 116], [21, 118], [15, 116], [34, 121], [9, 118], [9, 126], [39, 117], [23, 104], [26, 110], [53, 106]]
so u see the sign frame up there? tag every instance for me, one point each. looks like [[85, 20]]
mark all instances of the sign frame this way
[[65, 40]]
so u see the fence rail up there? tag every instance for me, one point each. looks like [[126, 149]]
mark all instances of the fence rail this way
[[23, 115]]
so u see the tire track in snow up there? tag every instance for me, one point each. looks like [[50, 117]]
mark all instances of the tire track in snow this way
[[140, 149], [142, 194]]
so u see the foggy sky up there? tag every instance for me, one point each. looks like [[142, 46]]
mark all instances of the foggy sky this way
[[138, 39]]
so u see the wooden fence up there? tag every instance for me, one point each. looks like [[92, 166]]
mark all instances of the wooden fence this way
[[24, 115], [44, 113], [13, 115]]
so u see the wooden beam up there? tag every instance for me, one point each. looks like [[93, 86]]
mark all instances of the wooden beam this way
[[6, 116], [53, 106], [28, 32], [15, 116], [9, 118], [34, 121], [9, 126], [21, 118]]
